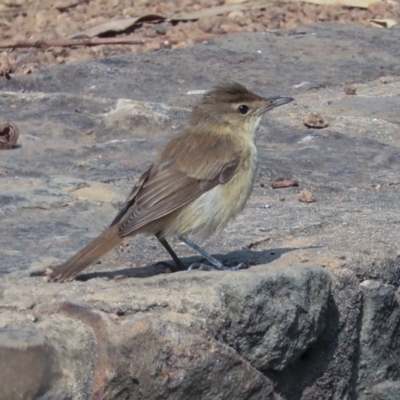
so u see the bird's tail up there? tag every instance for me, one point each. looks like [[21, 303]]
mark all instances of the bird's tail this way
[[85, 257]]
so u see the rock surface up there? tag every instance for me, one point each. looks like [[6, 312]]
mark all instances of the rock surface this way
[[173, 335], [316, 317]]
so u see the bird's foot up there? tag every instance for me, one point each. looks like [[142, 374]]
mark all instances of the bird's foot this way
[[207, 267]]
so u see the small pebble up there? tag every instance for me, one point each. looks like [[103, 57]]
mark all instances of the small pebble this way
[[350, 89], [315, 120], [306, 196]]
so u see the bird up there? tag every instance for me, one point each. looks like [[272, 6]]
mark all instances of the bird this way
[[201, 179]]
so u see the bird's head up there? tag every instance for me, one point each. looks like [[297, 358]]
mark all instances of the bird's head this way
[[232, 104]]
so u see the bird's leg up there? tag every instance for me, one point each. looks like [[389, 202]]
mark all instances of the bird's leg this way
[[179, 264], [215, 264]]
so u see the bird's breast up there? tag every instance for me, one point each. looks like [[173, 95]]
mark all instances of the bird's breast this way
[[212, 210], [238, 189]]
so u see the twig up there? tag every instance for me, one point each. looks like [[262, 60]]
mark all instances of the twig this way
[[6, 44]]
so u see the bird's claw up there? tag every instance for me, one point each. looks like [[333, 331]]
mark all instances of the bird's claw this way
[[206, 267]]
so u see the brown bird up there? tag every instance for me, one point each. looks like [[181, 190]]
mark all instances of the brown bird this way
[[200, 180]]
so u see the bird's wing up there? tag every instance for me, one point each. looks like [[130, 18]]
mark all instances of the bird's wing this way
[[131, 198], [173, 183]]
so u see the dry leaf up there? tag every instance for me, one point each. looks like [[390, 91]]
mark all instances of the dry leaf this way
[[217, 10], [8, 135], [13, 10], [347, 3], [64, 5], [117, 26], [122, 25], [383, 23], [13, 3], [284, 183], [7, 66]]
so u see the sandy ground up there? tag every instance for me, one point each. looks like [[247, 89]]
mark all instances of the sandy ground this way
[[48, 19]]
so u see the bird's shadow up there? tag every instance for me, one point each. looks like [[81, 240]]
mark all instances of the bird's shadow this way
[[247, 256]]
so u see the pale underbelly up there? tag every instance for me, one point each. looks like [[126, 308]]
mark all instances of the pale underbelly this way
[[212, 211]]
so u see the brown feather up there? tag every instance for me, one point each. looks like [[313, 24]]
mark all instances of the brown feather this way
[[231, 92], [160, 197], [131, 198], [85, 257], [187, 168]]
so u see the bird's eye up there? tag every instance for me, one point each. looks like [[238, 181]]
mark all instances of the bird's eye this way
[[243, 109]]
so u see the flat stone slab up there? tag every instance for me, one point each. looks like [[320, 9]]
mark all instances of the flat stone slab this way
[[87, 131], [163, 331]]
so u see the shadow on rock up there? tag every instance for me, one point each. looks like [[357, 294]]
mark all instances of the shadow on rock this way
[[305, 377], [247, 256]]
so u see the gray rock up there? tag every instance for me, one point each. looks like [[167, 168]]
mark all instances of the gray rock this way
[[274, 331], [387, 390], [160, 339], [28, 364], [380, 335], [327, 368]]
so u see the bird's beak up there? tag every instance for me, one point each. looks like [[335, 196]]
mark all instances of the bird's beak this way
[[273, 102]]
